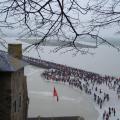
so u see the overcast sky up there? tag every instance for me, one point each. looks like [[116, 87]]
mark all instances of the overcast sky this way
[[107, 32]]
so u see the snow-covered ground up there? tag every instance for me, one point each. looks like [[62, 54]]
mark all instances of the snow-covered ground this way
[[106, 60], [72, 102]]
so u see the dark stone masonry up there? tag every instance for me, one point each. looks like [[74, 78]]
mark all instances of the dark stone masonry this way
[[13, 85]]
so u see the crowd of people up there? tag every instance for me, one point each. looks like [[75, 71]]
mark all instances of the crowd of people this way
[[88, 82], [107, 114]]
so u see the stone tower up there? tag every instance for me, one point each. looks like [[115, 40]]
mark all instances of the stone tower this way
[[13, 85], [15, 50]]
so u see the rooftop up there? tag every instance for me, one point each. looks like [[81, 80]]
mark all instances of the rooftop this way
[[9, 63]]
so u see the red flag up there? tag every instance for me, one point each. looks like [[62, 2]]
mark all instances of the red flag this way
[[55, 93]]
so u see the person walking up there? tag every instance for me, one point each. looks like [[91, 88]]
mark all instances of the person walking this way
[[114, 111]]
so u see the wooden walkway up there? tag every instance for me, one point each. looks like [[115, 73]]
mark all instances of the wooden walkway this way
[[36, 62], [45, 64]]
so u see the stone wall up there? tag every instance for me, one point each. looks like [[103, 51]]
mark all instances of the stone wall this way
[[19, 96], [5, 96], [25, 99]]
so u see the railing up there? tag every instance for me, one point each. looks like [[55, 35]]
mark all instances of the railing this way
[[36, 62]]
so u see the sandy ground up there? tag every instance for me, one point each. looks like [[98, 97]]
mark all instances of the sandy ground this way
[[71, 101]]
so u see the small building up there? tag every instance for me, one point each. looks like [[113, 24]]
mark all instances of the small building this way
[[13, 86]]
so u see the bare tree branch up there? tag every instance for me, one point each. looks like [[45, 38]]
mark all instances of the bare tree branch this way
[[60, 19]]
